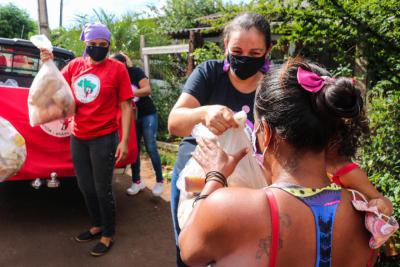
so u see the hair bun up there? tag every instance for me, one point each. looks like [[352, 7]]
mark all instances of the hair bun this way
[[340, 99]]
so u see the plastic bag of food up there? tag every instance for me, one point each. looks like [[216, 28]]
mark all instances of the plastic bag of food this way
[[246, 174], [12, 152], [50, 97]]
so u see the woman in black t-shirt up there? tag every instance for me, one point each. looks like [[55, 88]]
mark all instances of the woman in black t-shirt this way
[[216, 89], [146, 126]]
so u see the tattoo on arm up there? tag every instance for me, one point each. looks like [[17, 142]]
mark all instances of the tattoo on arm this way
[[264, 244], [285, 220]]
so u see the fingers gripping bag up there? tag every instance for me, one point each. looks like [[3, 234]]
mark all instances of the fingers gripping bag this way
[[50, 97], [12, 152], [246, 174]]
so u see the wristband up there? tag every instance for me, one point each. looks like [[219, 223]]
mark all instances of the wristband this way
[[199, 197], [216, 175]]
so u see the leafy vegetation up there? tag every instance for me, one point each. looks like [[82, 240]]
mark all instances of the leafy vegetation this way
[[167, 161], [380, 153], [125, 33], [209, 50], [68, 39], [164, 98], [182, 14], [15, 22]]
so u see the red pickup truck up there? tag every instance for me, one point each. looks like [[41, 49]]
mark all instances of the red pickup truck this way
[[48, 149]]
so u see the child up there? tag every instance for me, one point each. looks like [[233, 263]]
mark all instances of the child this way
[[341, 168]]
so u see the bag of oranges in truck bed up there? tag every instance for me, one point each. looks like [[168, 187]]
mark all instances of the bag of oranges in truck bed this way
[[12, 152]]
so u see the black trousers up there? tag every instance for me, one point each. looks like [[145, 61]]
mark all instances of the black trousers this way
[[94, 161]]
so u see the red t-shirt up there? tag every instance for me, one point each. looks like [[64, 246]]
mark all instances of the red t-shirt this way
[[98, 90]]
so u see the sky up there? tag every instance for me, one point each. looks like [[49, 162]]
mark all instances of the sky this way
[[71, 8]]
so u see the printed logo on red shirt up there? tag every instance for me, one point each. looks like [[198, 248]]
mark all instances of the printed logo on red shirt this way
[[59, 128], [87, 88]]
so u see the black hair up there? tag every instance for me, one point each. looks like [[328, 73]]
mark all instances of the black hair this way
[[119, 57], [306, 120], [247, 21], [347, 139]]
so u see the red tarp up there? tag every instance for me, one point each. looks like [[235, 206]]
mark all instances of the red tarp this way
[[47, 150]]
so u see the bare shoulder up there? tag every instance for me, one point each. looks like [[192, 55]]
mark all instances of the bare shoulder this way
[[237, 204], [218, 224], [234, 197]]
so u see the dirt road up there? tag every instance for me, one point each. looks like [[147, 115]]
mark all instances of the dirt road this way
[[37, 226]]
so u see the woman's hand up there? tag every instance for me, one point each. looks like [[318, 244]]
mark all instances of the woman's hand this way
[[211, 157], [218, 119], [45, 55], [122, 152]]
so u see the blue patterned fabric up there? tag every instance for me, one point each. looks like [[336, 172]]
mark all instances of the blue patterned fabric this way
[[323, 203]]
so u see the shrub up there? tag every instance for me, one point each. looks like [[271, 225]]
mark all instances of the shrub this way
[[209, 51], [380, 154], [167, 160], [164, 97]]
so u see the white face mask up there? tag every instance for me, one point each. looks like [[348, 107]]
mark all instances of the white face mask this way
[[258, 156]]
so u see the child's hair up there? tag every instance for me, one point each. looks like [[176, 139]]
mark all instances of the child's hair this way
[[345, 143], [307, 120], [247, 21]]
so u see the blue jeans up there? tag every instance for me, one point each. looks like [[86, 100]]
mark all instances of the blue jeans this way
[[184, 155], [146, 127], [94, 161]]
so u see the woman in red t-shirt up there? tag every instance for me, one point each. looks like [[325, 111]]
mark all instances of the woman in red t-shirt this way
[[99, 85]]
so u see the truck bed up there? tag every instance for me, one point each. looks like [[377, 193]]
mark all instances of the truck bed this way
[[48, 149]]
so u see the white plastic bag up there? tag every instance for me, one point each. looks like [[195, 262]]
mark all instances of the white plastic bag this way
[[50, 97], [12, 152], [134, 89], [247, 173]]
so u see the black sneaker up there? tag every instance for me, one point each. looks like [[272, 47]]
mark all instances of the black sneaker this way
[[87, 236], [101, 249]]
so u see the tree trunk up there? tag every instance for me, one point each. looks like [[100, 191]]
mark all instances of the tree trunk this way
[[195, 41], [43, 19], [361, 68]]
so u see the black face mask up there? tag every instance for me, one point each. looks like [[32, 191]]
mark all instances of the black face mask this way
[[244, 67], [97, 53]]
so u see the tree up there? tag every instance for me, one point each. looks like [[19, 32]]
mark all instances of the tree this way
[[15, 22], [68, 39], [329, 31], [125, 33], [181, 14]]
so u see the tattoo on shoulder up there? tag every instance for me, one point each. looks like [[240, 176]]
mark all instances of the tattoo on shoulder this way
[[285, 220], [264, 246]]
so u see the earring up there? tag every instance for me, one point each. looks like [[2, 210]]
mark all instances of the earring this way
[[265, 67], [226, 65]]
